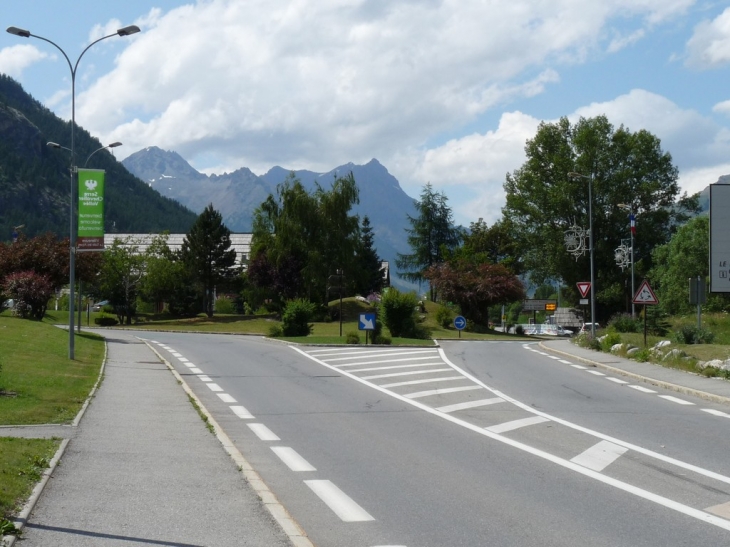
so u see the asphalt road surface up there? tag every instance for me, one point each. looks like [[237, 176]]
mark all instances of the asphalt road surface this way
[[470, 444]]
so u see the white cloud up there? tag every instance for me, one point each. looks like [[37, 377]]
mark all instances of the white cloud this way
[[15, 59], [709, 47], [722, 108]]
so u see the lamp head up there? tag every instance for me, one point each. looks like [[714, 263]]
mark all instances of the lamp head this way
[[19, 32], [114, 145], [126, 31], [53, 145]]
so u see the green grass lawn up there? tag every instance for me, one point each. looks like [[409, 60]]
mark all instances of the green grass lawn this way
[[22, 462], [40, 384]]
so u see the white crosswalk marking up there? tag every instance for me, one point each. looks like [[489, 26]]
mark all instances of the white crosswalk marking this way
[[409, 373], [429, 381], [470, 404], [516, 424], [600, 456], [442, 391]]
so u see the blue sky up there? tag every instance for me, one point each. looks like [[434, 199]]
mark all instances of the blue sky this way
[[440, 91]]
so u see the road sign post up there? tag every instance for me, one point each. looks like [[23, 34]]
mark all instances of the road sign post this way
[[366, 322], [459, 323], [645, 295]]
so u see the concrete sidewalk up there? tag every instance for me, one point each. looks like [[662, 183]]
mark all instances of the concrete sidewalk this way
[[142, 469], [711, 389]]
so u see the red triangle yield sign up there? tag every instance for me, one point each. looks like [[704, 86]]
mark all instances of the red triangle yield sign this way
[[583, 288], [645, 295]]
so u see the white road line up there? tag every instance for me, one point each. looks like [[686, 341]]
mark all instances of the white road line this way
[[642, 389], [395, 366], [553, 357], [342, 504], [175, 354], [599, 456], [190, 365], [408, 373], [676, 400], [387, 354], [429, 381], [617, 381], [441, 391], [214, 387], [292, 459], [226, 398], [579, 367], [385, 362], [263, 432], [516, 424], [241, 412], [564, 362], [204, 378], [470, 404], [543, 353], [183, 360], [595, 372], [196, 370], [715, 412]]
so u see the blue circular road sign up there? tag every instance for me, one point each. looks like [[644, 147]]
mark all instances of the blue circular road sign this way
[[460, 322]]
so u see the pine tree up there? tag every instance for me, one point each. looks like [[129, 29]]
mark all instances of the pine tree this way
[[207, 253], [369, 274]]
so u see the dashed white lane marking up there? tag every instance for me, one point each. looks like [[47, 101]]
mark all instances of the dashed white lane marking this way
[[190, 365], [617, 381], [470, 404], [204, 378], [675, 400], [595, 372], [372, 369], [383, 362], [342, 504], [183, 360], [579, 367], [716, 412], [175, 354], [263, 432], [516, 424], [642, 389], [196, 370], [564, 362], [226, 398], [241, 412], [429, 381], [553, 357], [599, 456], [409, 373], [420, 394], [292, 459], [214, 387]]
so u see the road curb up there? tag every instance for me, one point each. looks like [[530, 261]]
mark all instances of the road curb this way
[[286, 522], [712, 397]]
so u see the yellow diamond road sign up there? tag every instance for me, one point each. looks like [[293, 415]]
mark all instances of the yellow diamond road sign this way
[[645, 295]]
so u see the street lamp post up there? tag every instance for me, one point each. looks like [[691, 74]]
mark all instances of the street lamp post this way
[[126, 31], [57, 146], [590, 244], [632, 228]]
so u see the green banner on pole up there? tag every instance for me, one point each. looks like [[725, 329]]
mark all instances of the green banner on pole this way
[[91, 210]]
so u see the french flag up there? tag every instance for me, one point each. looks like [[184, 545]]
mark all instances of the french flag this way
[[632, 218]]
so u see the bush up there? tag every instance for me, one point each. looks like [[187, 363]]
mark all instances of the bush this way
[[105, 321], [382, 340], [275, 331], [225, 305], [296, 317], [398, 310], [689, 334], [519, 329], [623, 322], [445, 317], [609, 340], [31, 293], [352, 337]]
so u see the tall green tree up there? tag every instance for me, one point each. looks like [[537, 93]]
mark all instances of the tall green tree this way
[[368, 275], [301, 238], [121, 276], [621, 167], [206, 251], [431, 236]]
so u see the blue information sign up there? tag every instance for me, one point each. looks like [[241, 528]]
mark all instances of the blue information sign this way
[[366, 322], [460, 322]]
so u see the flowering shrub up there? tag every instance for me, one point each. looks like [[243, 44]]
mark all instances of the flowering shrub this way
[[30, 291]]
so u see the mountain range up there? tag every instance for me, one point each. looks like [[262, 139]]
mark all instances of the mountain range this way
[[236, 195]]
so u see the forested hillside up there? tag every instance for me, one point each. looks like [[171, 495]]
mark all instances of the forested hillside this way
[[34, 179]]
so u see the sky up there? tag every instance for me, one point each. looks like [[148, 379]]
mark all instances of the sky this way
[[439, 91]]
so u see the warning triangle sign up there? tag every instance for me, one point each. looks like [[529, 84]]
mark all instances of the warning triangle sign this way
[[645, 295], [583, 288]]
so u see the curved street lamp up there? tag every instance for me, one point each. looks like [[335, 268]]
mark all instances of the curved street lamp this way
[[632, 228], [125, 31], [575, 175]]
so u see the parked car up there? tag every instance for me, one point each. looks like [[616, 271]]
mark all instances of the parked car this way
[[99, 305], [586, 327]]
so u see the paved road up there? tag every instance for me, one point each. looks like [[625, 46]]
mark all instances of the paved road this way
[[477, 444]]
